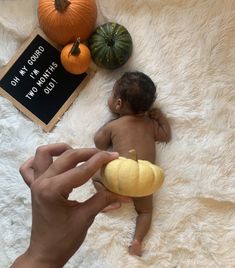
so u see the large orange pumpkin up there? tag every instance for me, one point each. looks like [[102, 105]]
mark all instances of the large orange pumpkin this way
[[63, 20]]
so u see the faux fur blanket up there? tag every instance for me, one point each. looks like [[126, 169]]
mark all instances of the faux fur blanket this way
[[188, 48]]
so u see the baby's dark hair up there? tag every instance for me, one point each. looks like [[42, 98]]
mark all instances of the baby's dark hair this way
[[137, 89]]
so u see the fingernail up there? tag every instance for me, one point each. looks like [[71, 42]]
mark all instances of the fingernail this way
[[115, 154]]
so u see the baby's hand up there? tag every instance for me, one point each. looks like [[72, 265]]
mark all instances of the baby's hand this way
[[155, 113]]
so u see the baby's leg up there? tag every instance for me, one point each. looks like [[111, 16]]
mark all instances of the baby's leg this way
[[100, 187], [144, 207]]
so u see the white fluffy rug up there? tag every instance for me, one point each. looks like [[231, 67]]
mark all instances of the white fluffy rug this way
[[188, 48]]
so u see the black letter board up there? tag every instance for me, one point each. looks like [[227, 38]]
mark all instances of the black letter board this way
[[37, 84]]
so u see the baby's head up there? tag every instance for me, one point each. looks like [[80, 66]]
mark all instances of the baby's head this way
[[134, 92]]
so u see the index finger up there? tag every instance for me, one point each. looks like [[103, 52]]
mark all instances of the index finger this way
[[44, 156], [69, 160], [36, 165], [77, 176]]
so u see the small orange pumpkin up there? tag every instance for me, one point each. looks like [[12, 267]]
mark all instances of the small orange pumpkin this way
[[63, 20], [75, 57]]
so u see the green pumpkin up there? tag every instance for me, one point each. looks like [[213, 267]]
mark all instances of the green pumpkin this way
[[110, 45]]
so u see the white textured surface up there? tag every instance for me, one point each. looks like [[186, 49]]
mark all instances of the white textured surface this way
[[188, 48]]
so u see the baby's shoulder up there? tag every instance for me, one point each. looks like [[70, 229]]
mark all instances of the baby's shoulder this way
[[117, 123], [112, 123]]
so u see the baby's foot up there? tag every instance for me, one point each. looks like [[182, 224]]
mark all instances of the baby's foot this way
[[112, 207], [135, 248]]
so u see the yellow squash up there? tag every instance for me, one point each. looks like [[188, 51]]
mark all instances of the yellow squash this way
[[132, 177]]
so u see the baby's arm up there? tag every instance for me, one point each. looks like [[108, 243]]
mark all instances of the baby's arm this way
[[161, 125], [102, 137]]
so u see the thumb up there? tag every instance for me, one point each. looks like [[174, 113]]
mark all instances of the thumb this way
[[99, 201]]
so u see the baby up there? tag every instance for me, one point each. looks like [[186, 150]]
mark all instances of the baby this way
[[137, 127]]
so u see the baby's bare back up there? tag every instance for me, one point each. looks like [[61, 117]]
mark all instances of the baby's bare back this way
[[134, 132]]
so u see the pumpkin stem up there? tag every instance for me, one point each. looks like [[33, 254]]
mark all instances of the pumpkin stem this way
[[110, 42], [133, 154], [75, 50], [61, 5]]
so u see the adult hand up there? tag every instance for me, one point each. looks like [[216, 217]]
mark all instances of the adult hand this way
[[59, 225]]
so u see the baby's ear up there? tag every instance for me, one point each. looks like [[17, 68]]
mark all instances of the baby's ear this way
[[118, 104]]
